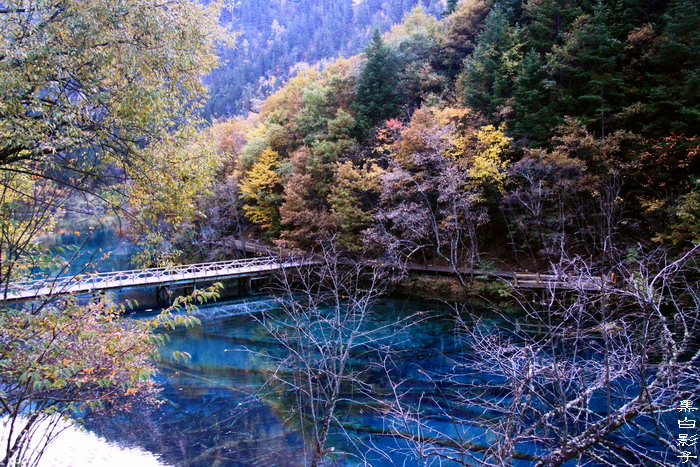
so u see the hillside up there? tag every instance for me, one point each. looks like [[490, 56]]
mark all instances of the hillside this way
[[278, 38], [507, 132]]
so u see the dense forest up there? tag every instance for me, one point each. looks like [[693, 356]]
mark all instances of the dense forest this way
[[509, 131], [474, 139], [278, 38]]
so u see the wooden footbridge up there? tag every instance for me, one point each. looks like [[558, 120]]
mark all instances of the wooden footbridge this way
[[159, 277], [191, 274], [519, 280]]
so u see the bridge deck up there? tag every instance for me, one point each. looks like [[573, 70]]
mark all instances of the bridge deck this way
[[85, 283], [518, 280]]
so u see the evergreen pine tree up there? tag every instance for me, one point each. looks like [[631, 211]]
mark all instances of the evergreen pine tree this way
[[547, 21], [592, 58], [535, 102], [673, 102], [450, 8], [488, 75], [461, 31], [376, 98]]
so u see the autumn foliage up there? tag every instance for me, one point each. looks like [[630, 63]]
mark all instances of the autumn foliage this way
[[514, 131]]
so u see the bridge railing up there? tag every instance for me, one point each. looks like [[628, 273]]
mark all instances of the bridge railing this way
[[97, 280]]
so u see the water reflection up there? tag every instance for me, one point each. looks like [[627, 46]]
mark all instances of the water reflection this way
[[214, 414]]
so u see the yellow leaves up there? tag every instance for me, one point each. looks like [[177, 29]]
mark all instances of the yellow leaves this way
[[361, 178], [489, 165], [145, 58], [284, 105], [416, 22], [258, 131], [260, 186], [457, 116], [483, 153], [651, 205], [260, 213], [352, 184], [22, 219], [183, 166], [262, 176]]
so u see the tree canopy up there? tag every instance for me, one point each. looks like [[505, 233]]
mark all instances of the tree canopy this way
[[376, 98], [91, 91], [596, 101], [103, 75]]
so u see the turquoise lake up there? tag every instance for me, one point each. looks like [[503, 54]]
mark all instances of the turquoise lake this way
[[214, 413]]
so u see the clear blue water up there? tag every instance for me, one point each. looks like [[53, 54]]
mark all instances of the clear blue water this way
[[103, 250], [218, 410], [213, 411]]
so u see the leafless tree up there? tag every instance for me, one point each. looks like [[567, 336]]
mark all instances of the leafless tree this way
[[548, 190], [592, 371], [430, 207], [462, 213], [225, 222], [326, 318], [610, 207]]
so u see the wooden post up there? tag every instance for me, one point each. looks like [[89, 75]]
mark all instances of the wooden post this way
[[246, 285], [163, 295]]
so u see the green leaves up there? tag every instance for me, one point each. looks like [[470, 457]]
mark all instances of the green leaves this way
[[108, 74], [67, 356], [489, 72]]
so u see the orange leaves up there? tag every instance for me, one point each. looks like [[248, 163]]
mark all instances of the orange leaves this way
[[394, 124], [459, 117]]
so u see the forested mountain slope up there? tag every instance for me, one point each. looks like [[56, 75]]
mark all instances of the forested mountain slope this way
[[278, 37], [521, 132]]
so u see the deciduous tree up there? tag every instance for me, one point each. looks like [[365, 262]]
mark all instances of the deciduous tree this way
[[593, 373], [260, 188], [100, 75]]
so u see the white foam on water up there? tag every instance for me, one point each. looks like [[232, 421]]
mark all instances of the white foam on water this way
[[224, 310], [75, 447]]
